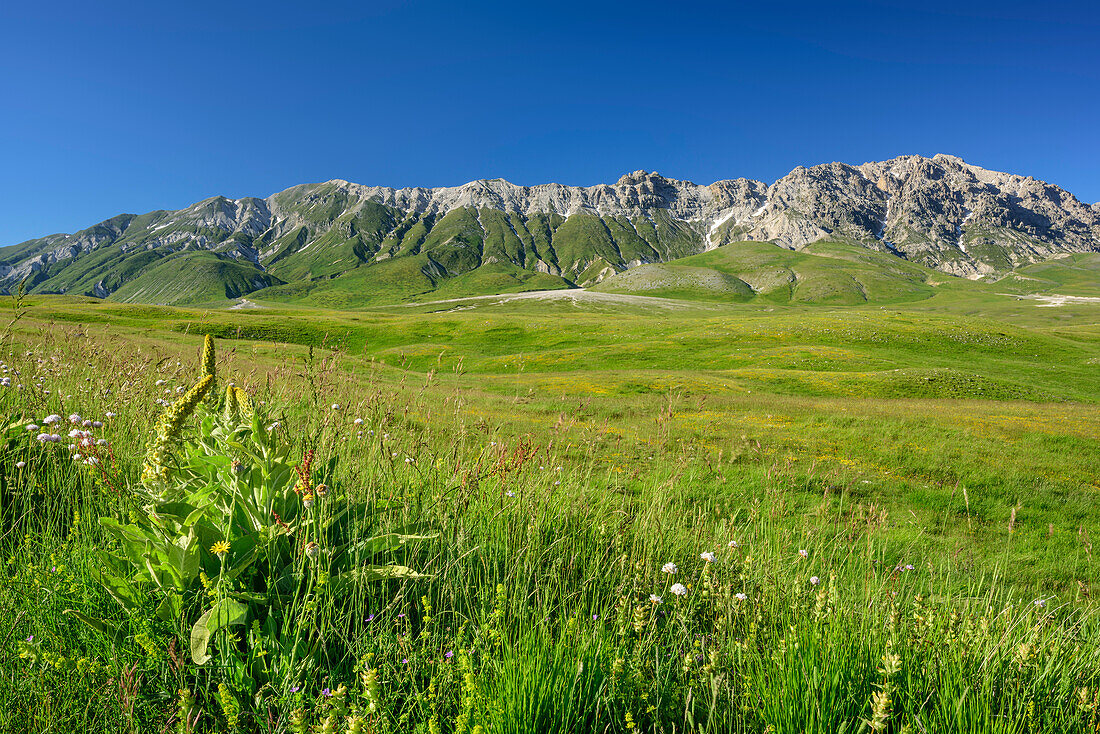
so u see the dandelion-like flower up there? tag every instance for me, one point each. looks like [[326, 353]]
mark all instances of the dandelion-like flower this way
[[220, 549], [670, 567], [678, 589], [655, 599], [815, 580], [707, 556]]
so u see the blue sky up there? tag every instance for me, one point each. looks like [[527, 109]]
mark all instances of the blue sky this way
[[112, 107]]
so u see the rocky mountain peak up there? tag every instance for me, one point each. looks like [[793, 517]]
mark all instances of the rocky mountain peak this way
[[939, 211]]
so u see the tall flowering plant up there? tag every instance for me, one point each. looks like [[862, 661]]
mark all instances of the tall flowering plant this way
[[249, 552]]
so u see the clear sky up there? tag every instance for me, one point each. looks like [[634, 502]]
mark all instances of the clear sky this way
[[109, 107]]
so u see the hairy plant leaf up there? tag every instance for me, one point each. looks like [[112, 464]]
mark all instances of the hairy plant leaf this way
[[225, 613]]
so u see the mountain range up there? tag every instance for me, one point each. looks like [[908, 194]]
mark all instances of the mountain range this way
[[341, 243]]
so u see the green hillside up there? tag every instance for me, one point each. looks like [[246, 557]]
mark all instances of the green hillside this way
[[831, 273], [191, 278]]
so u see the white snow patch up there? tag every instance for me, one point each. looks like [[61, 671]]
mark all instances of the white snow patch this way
[[714, 227], [760, 211]]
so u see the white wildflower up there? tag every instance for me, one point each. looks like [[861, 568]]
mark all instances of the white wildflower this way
[[678, 589]]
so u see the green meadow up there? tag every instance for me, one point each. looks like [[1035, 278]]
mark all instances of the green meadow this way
[[860, 500]]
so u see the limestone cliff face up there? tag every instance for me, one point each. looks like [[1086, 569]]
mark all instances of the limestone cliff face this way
[[938, 211]]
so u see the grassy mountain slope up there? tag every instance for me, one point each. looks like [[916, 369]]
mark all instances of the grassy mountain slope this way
[[193, 277], [826, 272]]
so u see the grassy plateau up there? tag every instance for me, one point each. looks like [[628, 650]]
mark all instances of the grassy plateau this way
[[792, 493]]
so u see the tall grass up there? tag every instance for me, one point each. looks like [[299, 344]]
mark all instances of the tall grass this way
[[547, 607]]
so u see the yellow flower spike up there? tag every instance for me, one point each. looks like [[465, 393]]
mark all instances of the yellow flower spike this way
[[208, 365], [155, 470]]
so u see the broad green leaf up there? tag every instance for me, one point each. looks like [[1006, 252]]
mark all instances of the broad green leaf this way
[[225, 613], [169, 607], [97, 624], [120, 589]]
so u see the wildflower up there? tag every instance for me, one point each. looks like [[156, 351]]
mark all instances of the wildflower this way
[[101, 442], [208, 358], [404, 661], [43, 437], [707, 556], [313, 550], [670, 567], [510, 493], [220, 549], [908, 567], [110, 415], [158, 383], [155, 469], [295, 689], [30, 639], [32, 427], [449, 654], [804, 553], [51, 419], [678, 589], [97, 424], [358, 421], [326, 692], [20, 464], [336, 406], [734, 544], [740, 596], [1040, 603], [86, 423], [74, 419], [815, 580], [595, 617], [307, 500], [655, 599]]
